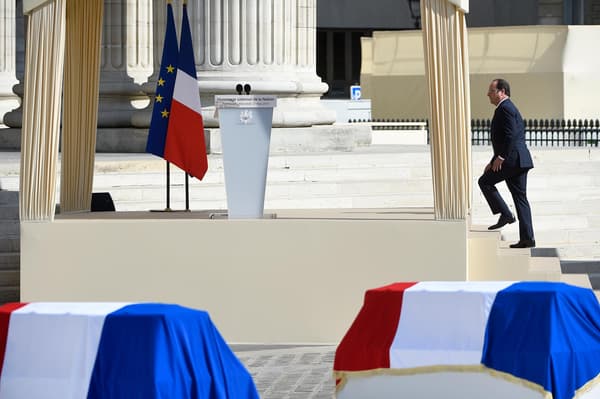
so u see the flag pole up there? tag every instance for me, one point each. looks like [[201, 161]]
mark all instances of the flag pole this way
[[161, 109], [168, 187], [187, 192]]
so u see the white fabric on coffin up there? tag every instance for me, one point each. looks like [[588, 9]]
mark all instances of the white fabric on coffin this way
[[443, 323], [63, 339]]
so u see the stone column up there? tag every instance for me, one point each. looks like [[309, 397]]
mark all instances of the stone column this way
[[269, 44], [126, 61], [8, 41]]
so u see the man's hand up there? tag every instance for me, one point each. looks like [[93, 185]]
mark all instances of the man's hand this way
[[497, 164], [487, 167]]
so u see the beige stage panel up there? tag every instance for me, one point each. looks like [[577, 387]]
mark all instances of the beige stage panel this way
[[299, 278]]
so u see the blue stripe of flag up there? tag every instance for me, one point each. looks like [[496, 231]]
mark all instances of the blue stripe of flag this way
[[186, 49], [157, 134]]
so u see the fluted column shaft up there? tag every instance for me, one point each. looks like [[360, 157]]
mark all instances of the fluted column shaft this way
[[8, 40], [126, 60], [270, 44], [250, 34]]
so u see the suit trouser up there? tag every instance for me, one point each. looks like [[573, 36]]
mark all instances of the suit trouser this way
[[516, 181]]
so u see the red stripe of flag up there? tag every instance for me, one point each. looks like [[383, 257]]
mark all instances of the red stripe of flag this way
[[366, 345], [185, 145], [5, 312]]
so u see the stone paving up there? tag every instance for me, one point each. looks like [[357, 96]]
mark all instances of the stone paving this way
[[290, 372]]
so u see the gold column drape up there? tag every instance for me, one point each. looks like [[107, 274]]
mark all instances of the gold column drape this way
[[44, 60], [447, 75], [80, 107]]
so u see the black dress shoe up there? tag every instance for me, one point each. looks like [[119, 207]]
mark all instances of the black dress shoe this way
[[524, 244], [502, 221]]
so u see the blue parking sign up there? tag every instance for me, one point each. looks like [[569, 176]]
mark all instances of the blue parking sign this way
[[355, 93]]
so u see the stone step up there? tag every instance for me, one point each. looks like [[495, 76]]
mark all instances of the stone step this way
[[9, 278], [546, 206], [563, 154], [586, 193], [579, 251], [9, 183], [578, 280], [554, 228], [380, 201], [9, 212], [10, 261], [563, 250], [566, 215], [9, 294], [548, 234], [580, 266], [9, 197], [583, 172], [544, 252], [544, 269], [360, 159], [304, 184], [291, 190], [9, 228], [595, 280], [591, 268], [274, 175], [10, 243], [553, 160]]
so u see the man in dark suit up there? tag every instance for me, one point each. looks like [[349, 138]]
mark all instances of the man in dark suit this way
[[510, 163]]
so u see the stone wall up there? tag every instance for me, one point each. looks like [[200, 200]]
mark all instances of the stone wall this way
[[552, 71]]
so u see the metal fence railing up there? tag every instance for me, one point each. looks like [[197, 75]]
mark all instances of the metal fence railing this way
[[393, 124], [538, 132]]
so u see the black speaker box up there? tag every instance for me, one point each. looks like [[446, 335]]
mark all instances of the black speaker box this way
[[102, 202]]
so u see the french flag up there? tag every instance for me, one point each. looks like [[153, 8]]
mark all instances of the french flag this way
[[542, 334], [115, 350], [185, 146]]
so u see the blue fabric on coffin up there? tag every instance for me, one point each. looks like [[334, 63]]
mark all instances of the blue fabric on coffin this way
[[546, 333], [157, 351]]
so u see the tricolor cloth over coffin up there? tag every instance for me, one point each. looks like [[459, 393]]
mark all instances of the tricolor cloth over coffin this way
[[544, 336], [112, 350]]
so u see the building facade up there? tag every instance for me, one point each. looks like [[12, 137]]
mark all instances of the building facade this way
[[342, 23], [325, 47]]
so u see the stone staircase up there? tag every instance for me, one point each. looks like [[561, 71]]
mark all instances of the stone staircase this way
[[9, 246], [564, 190], [490, 258], [573, 269]]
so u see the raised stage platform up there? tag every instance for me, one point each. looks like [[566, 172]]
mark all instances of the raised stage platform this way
[[298, 278]]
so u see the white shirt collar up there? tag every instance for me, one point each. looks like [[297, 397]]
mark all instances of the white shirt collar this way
[[501, 101]]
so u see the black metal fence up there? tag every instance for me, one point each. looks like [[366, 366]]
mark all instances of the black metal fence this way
[[538, 132]]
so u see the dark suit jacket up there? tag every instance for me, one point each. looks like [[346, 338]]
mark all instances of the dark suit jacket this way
[[508, 136]]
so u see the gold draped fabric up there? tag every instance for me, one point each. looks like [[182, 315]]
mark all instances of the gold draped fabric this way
[[41, 111], [79, 23], [80, 107], [447, 75]]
